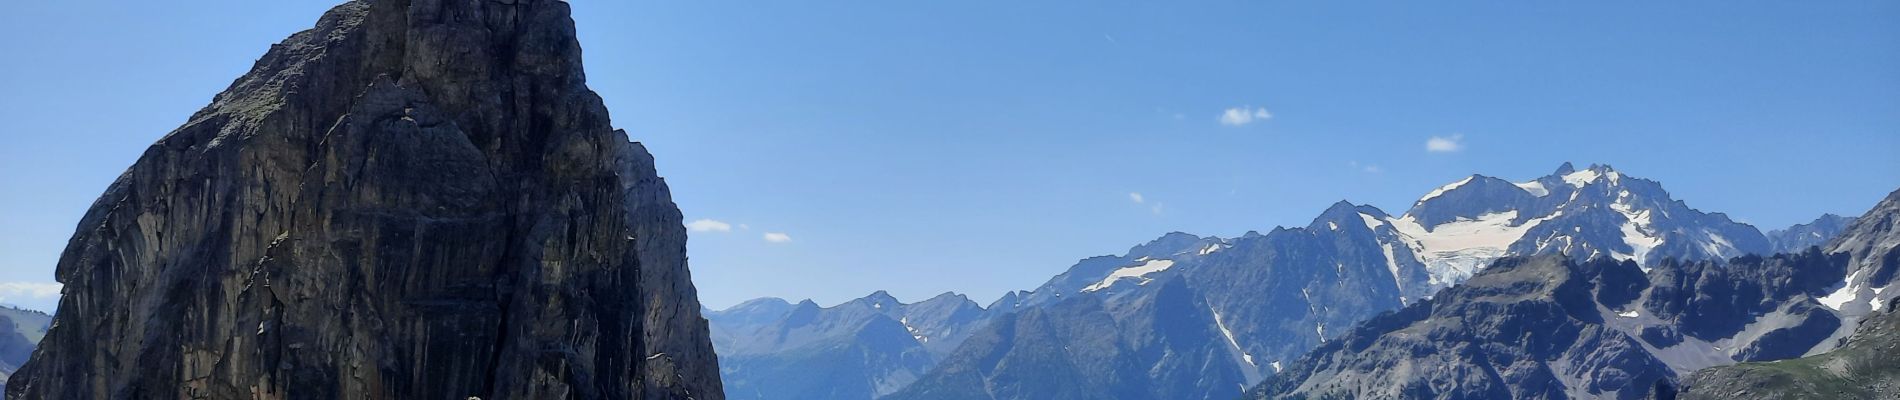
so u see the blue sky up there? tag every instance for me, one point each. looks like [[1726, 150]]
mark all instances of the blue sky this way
[[983, 146]]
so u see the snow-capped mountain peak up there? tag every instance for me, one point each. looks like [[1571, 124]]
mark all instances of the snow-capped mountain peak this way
[[1585, 213]]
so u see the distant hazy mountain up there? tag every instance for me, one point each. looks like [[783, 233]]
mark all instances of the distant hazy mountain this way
[[862, 349], [1190, 317], [1796, 238], [20, 331], [1200, 323], [1555, 328], [1273, 297]]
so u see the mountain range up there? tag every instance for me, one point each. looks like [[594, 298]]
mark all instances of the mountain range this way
[[1193, 317], [1547, 327]]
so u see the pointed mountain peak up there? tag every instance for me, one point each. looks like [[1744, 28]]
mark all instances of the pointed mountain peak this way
[[1341, 215], [950, 295], [1169, 244], [1375, 212], [1565, 169], [1592, 175], [881, 297], [760, 303], [1009, 301]]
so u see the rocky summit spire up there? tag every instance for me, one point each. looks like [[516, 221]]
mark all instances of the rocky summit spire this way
[[416, 199]]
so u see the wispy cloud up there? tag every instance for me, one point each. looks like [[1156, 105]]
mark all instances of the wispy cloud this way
[[776, 237], [708, 225], [21, 292], [1443, 144], [1367, 168], [1243, 115], [1136, 197], [1155, 208]]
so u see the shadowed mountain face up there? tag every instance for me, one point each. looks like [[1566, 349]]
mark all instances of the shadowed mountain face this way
[[1867, 366], [414, 199], [1552, 328]]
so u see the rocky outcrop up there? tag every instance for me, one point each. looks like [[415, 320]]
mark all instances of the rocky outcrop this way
[[1867, 367], [1549, 327], [415, 199]]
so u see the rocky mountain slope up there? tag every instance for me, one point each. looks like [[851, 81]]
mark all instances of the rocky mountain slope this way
[[1867, 365], [414, 199], [1556, 328]]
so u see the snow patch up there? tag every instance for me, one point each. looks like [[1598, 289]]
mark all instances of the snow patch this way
[[1454, 250], [1392, 265], [1442, 189], [1331, 225], [1276, 366], [1637, 229], [1210, 249], [1372, 223], [1230, 338], [1534, 187], [1629, 314], [914, 332], [1848, 291], [1581, 178], [1133, 272]]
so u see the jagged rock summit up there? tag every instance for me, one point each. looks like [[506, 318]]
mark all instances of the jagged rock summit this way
[[416, 199]]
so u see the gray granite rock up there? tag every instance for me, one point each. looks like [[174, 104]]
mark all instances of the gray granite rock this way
[[415, 199]]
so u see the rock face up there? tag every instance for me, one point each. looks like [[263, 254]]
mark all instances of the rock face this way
[[1867, 367], [1550, 327], [415, 199]]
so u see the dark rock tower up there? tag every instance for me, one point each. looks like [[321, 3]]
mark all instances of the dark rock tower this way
[[416, 199]]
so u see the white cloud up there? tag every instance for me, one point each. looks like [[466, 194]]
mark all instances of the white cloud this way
[[1156, 208], [1440, 144], [707, 225], [776, 237], [16, 292], [1243, 115], [1367, 168], [1136, 197]]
